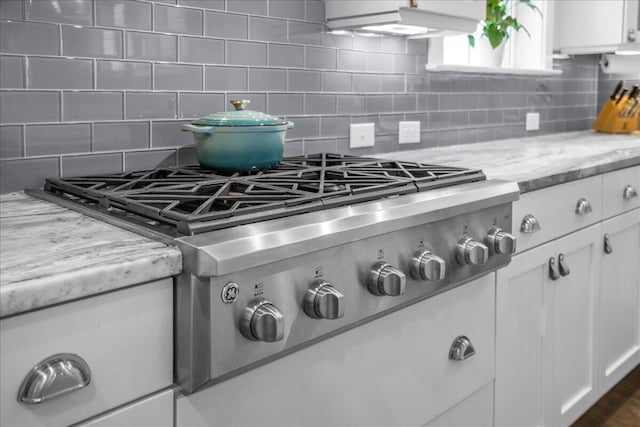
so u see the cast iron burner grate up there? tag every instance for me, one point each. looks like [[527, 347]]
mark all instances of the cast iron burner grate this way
[[193, 199]]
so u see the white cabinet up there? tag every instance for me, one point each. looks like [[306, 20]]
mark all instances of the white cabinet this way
[[618, 333], [476, 410], [595, 26]]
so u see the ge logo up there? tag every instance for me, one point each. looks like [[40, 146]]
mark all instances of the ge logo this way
[[230, 292]]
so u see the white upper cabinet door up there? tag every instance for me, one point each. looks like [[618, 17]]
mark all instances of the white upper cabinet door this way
[[595, 26]]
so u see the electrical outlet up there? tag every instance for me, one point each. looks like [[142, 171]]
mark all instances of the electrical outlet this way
[[362, 135], [408, 132], [532, 121]]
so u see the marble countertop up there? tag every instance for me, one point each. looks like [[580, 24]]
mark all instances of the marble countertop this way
[[51, 254], [536, 162]]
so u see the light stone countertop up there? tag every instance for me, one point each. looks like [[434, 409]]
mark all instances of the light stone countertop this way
[[536, 162], [50, 254]]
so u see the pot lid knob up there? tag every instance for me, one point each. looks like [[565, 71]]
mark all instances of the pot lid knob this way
[[240, 104]]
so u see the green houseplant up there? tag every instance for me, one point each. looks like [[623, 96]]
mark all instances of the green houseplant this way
[[498, 21]]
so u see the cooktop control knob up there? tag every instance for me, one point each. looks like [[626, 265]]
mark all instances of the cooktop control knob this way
[[323, 301], [471, 252], [427, 266], [262, 321], [385, 279], [501, 242]]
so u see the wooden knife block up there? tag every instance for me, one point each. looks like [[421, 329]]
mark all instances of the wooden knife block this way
[[608, 119]]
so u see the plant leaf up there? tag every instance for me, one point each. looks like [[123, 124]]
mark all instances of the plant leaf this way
[[472, 40]]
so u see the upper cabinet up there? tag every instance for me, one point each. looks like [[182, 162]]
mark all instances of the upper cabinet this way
[[405, 17], [596, 26]]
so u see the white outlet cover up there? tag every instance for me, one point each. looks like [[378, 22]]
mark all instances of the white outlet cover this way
[[408, 132], [362, 135], [532, 121]]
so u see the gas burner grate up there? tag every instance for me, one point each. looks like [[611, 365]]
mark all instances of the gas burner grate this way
[[193, 199]]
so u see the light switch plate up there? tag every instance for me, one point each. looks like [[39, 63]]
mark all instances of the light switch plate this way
[[408, 132], [532, 121], [362, 135]]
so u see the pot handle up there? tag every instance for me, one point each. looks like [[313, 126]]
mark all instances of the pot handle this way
[[289, 125], [198, 129]]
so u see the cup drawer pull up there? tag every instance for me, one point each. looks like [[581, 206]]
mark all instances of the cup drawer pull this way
[[55, 376], [530, 224], [629, 192], [461, 349], [583, 207]]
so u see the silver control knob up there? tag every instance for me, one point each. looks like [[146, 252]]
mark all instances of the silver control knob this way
[[501, 242], [323, 301], [471, 252], [427, 266], [262, 321], [384, 279]]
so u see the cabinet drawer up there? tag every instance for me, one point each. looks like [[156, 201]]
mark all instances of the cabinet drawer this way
[[554, 209], [125, 337], [394, 370], [618, 191], [476, 410]]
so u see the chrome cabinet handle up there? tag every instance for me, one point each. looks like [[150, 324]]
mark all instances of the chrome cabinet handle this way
[[55, 376], [607, 244], [530, 224], [461, 349], [564, 267], [583, 207], [629, 192], [553, 269]]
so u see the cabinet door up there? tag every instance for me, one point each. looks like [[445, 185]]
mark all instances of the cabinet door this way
[[572, 328], [619, 314], [520, 314]]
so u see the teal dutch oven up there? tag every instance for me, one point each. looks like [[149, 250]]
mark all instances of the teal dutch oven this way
[[240, 140]]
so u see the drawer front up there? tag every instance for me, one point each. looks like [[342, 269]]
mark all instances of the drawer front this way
[[394, 370], [618, 191], [476, 410], [554, 209], [125, 337]]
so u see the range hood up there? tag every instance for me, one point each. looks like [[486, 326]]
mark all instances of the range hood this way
[[405, 17]]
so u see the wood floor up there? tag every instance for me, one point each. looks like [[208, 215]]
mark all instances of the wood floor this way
[[620, 407]]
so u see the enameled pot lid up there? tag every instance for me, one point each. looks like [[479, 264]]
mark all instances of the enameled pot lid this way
[[240, 117]]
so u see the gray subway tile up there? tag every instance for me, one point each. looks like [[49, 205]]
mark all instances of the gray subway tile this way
[[392, 83], [292, 9], [305, 33], [293, 148], [205, 4], [91, 42], [225, 78], [283, 55], [399, 45], [378, 103], [448, 137], [313, 146], [248, 6], [320, 57], [439, 82], [11, 9], [246, 53], [149, 159], [403, 102], [35, 38], [467, 136], [336, 82], [367, 83], [267, 29], [267, 79], [334, 126], [120, 136], [29, 107], [165, 1], [16, 175], [150, 105], [78, 106], [388, 123], [319, 103], [178, 77], [304, 127], [173, 19], [128, 14], [60, 73], [226, 25], [304, 80], [378, 62], [123, 75], [478, 117], [91, 164], [154, 47], [340, 41], [258, 101], [366, 43], [169, 134], [79, 12], [404, 64], [11, 72], [201, 50], [57, 139], [187, 156], [285, 104], [513, 116], [459, 118], [428, 102], [494, 116], [315, 11], [439, 120], [11, 144], [450, 101], [200, 104], [351, 60]]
